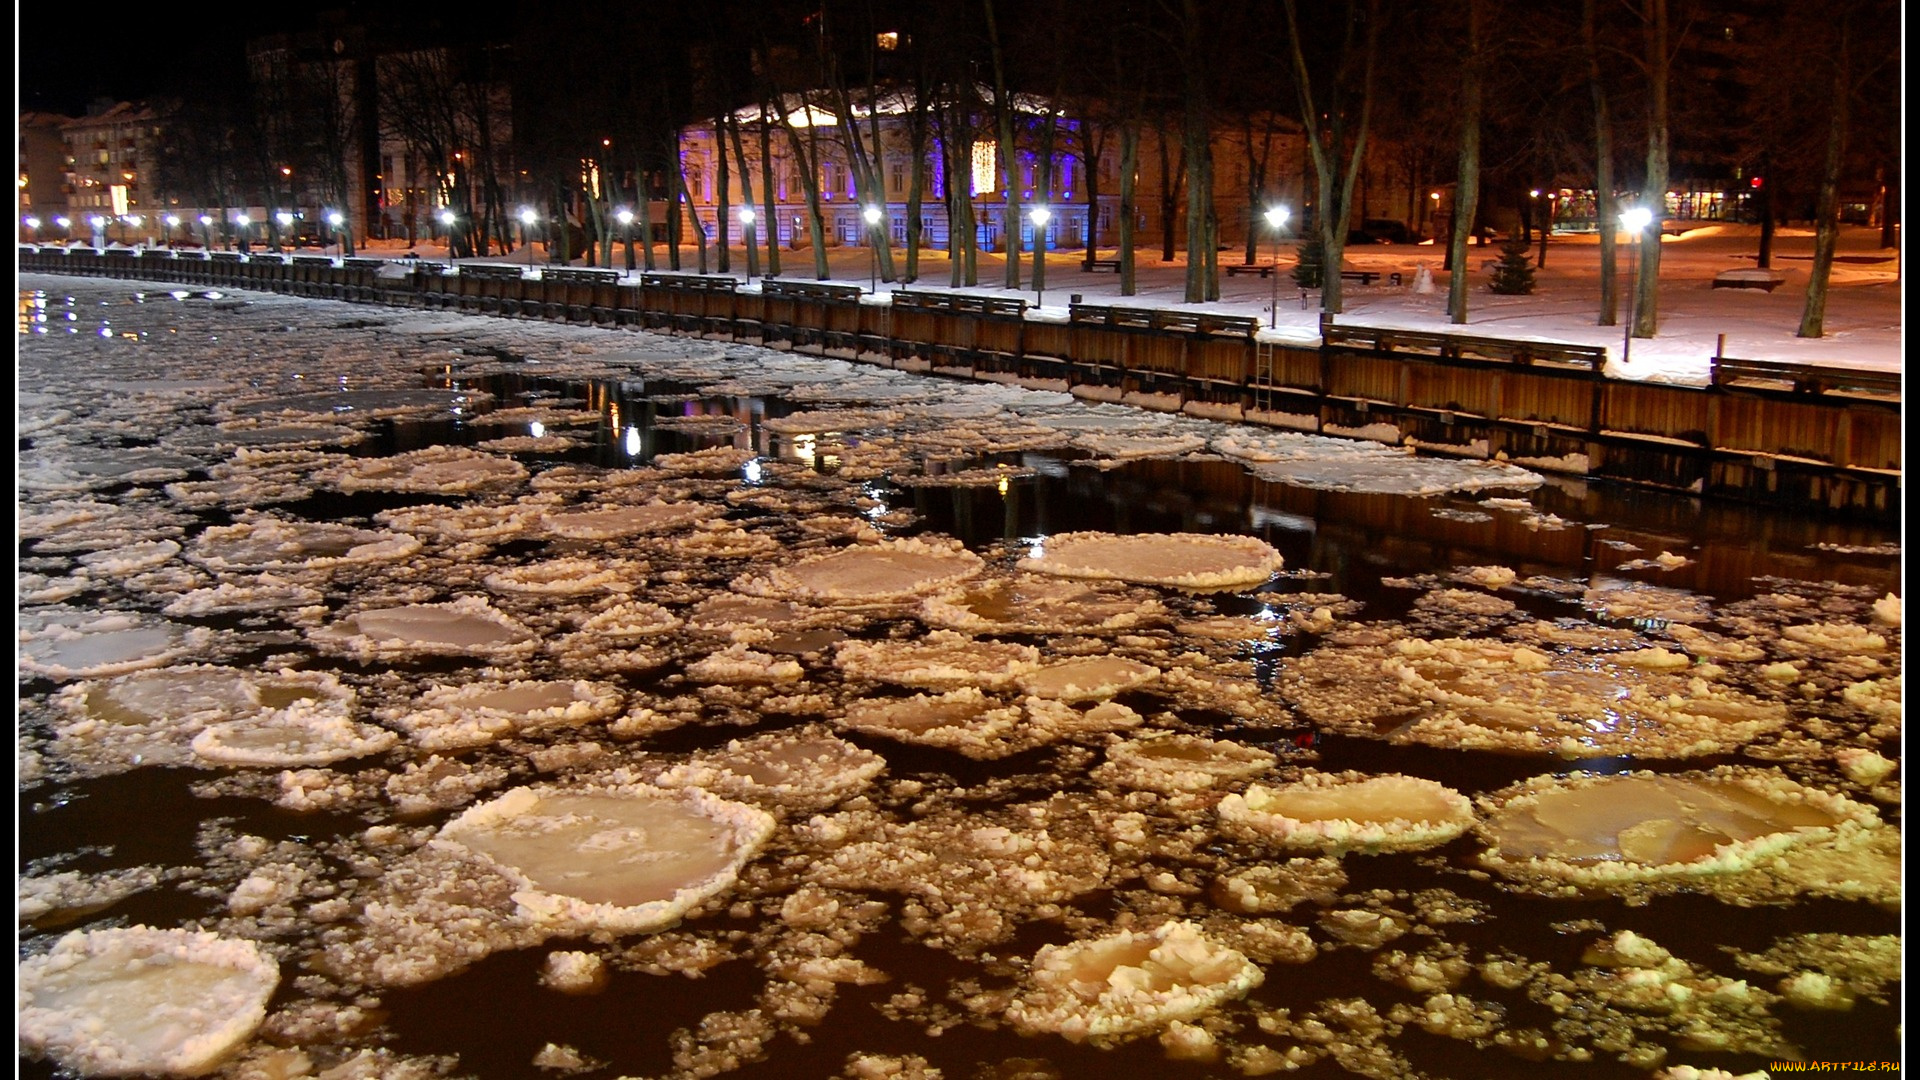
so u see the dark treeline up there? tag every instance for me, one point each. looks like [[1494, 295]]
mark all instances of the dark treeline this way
[[1492, 100]]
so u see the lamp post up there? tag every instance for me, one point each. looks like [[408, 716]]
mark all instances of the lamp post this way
[[243, 222], [206, 232], [746, 230], [133, 221], [1633, 220], [625, 217], [173, 222], [1040, 216], [66, 227], [873, 215], [527, 218], [33, 228], [1276, 217], [336, 219], [447, 219], [286, 227], [99, 231]]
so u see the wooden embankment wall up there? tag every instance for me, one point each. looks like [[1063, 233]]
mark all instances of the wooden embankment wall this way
[[1805, 438]]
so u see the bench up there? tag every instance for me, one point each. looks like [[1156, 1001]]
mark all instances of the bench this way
[[1263, 269], [1748, 279], [1094, 266], [580, 275], [1368, 277], [490, 271]]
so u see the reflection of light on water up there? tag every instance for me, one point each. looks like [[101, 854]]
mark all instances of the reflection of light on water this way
[[1036, 546], [537, 429], [633, 441], [1003, 485], [803, 448], [751, 470]]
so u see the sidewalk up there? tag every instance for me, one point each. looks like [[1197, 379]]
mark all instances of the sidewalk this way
[[1863, 319]]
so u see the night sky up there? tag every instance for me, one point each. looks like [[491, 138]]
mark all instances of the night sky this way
[[136, 52]]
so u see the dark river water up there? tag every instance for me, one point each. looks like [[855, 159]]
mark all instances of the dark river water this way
[[208, 389]]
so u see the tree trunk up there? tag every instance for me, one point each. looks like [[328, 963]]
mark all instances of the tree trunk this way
[[1606, 217], [1009, 163], [1646, 312], [746, 194], [1827, 227], [1172, 181], [722, 205], [1466, 194], [1129, 165], [768, 193]]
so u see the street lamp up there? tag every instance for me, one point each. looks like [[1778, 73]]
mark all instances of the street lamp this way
[[746, 229], [1040, 216], [527, 218], [99, 230], [244, 222], [336, 219], [281, 236], [66, 227], [33, 227], [1276, 217], [873, 215], [206, 232], [447, 219], [1546, 226], [173, 222], [1633, 220], [626, 234]]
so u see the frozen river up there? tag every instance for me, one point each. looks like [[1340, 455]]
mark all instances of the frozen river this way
[[405, 695]]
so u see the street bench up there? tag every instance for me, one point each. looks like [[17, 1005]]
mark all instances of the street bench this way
[[1748, 279], [1368, 277], [582, 275], [491, 271], [1263, 269], [1094, 266]]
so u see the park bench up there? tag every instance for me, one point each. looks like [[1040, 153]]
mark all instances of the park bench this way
[[582, 275], [491, 271], [1368, 277], [1263, 269], [1748, 279], [1094, 266]]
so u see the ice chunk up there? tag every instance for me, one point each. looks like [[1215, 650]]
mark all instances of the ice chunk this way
[[1348, 811], [1183, 560], [1113, 988], [139, 1000]]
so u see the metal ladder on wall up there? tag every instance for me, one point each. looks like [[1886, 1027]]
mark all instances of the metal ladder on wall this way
[[1263, 360]]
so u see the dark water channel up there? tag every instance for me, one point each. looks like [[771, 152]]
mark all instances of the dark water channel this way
[[494, 1016]]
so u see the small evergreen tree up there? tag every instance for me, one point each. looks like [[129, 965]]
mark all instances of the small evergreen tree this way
[[1513, 274], [1312, 264]]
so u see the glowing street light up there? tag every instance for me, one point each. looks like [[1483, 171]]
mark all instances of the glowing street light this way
[[873, 215], [447, 219], [244, 222], [1276, 217], [625, 217], [1040, 216], [173, 222], [527, 218], [336, 219], [99, 230], [33, 227], [206, 232], [1633, 219], [746, 228]]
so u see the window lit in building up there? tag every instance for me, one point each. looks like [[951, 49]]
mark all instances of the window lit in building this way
[[888, 41]]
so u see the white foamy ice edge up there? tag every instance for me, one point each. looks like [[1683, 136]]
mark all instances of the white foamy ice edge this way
[[1195, 561], [307, 732], [141, 1001], [1128, 983], [264, 543], [434, 470], [109, 644], [809, 768], [943, 660], [467, 626], [1174, 762], [740, 830], [1823, 817], [884, 572], [611, 522], [457, 717], [1088, 678], [1350, 811]]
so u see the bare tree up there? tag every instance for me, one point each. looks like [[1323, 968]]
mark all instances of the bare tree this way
[[1340, 136], [1467, 188]]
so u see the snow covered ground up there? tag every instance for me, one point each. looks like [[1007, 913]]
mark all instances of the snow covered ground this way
[[1865, 301]]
